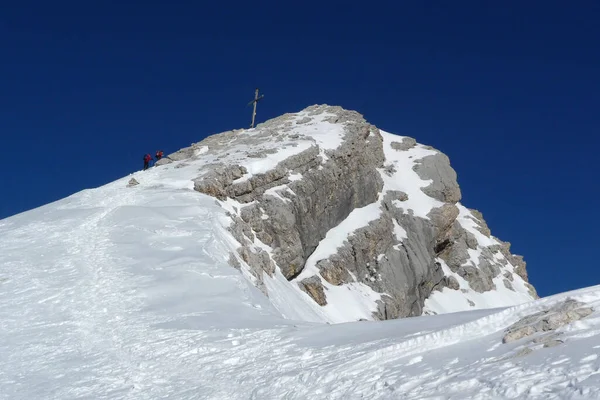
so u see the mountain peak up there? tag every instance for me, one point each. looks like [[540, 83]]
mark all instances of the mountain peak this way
[[368, 224], [223, 273]]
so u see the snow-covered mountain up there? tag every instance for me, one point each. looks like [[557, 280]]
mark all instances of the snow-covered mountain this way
[[367, 223], [128, 290]]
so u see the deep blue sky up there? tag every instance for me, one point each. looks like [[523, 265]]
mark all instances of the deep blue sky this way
[[509, 90]]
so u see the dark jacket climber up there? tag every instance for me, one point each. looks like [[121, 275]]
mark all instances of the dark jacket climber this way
[[159, 155], [147, 159]]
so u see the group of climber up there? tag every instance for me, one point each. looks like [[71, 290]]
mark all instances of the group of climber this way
[[148, 158]]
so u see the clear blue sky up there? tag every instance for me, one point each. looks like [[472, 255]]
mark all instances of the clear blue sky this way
[[509, 90]]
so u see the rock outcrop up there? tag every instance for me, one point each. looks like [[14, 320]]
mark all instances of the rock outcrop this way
[[548, 320], [330, 201], [132, 182]]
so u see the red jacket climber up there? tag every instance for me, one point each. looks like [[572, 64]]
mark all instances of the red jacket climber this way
[[159, 155], [147, 159]]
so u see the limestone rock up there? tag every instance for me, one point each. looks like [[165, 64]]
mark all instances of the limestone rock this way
[[444, 186], [314, 288], [334, 272], [452, 283], [515, 260], [551, 319], [259, 258], [321, 200], [519, 264], [454, 248], [400, 196], [478, 280], [219, 179], [482, 225], [549, 340], [233, 261], [406, 144], [163, 161], [406, 272], [303, 120], [532, 291], [443, 217], [516, 334], [132, 182]]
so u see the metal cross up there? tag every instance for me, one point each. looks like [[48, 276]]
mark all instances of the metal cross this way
[[256, 99]]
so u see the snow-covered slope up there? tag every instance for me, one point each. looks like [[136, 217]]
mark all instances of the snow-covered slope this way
[[127, 294], [128, 290]]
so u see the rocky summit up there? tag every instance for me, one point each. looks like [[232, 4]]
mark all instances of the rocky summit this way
[[354, 217]]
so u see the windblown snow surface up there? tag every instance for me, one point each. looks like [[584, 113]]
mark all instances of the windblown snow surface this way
[[127, 293]]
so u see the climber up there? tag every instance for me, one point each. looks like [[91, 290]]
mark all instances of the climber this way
[[159, 155], [147, 159]]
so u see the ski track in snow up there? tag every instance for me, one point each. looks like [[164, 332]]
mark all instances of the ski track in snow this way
[[126, 293]]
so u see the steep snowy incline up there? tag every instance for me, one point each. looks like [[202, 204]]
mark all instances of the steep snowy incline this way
[[126, 293], [95, 285]]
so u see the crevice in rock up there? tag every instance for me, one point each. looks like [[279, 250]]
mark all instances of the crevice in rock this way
[[443, 245]]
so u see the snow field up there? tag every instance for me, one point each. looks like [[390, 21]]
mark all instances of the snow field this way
[[127, 293]]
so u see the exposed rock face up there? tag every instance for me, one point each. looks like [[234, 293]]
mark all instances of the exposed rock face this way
[[300, 217], [314, 288], [548, 320], [437, 168], [405, 271], [163, 161], [395, 202], [406, 144]]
